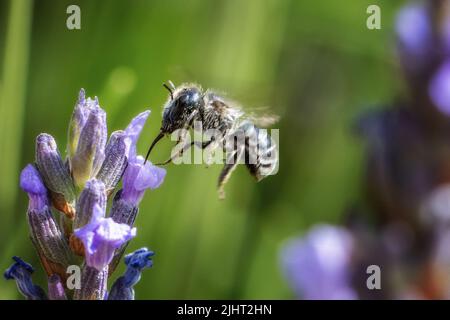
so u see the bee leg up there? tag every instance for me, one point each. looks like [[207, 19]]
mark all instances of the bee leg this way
[[185, 148], [210, 152], [177, 155], [227, 170], [165, 162]]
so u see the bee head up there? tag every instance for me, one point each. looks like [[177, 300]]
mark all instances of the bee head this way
[[179, 112], [182, 106]]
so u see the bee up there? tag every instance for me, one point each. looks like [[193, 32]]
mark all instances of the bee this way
[[188, 103]]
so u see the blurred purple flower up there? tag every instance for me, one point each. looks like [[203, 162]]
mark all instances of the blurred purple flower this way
[[318, 265], [439, 88], [436, 206], [101, 236], [414, 33]]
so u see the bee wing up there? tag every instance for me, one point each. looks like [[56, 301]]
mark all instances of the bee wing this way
[[224, 105], [258, 116], [261, 117]]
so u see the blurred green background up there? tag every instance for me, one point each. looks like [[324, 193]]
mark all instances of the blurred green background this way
[[313, 62]]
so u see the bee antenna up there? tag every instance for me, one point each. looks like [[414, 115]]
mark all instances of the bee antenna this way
[[170, 88], [171, 84]]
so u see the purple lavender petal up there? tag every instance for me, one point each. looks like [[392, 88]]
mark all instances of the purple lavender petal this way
[[31, 182], [139, 177], [101, 237], [149, 176], [134, 130], [317, 265]]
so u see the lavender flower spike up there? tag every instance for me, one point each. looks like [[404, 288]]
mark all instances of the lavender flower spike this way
[[55, 174], [21, 272], [45, 233], [317, 266], [136, 262], [90, 121], [101, 236], [80, 188]]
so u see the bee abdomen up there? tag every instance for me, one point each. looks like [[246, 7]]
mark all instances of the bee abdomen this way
[[261, 154]]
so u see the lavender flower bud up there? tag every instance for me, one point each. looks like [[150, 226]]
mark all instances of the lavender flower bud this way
[[101, 236], [121, 212], [136, 262], [318, 265], [48, 238], [77, 122], [55, 174], [45, 233], [115, 162], [93, 194], [90, 150], [21, 272], [56, 288], [93, 284]]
